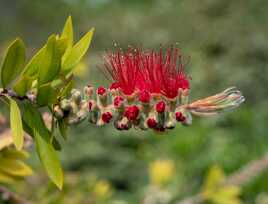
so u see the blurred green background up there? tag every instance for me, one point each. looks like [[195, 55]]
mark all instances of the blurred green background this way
[[227, 41]]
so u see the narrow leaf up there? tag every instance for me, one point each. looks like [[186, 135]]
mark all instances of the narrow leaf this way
[[16, 124], [12, 153], [13, 62], [67, 32], [46, 95], [42, 136], [63, 128], [14, 167], [50, 62], [23, 85], [5, 178], [77, 52], [32, 67]]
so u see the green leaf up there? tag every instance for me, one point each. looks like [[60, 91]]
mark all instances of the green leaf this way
[[5, 178], [67, 89], [63, 128], [13, 62], [32, 67], [50, 63], [23, 85], [16, 124], [46, 95], [42, 136], [12, 153], [67, 32], [77, 52], [14, 167]]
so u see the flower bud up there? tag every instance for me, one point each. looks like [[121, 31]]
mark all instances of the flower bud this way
[[65, 105], [76, 96], [58, 112], [106, 117], [160, 107], [132, 112]]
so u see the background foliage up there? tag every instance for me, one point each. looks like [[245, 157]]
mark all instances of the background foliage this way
[[227, 43]]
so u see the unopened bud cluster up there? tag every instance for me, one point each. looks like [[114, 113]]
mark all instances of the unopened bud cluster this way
[[141, 109], [73, 110]]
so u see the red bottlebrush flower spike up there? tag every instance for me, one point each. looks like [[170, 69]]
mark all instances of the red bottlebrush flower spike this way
[[149, 90]]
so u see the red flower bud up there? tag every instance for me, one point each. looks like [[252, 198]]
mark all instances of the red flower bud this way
[[132, 112], [90, 104], [180, 117], [151, 123], [118, 101], [114, 86], [160, 107], [101, 90], [106, 117], [144, 96]]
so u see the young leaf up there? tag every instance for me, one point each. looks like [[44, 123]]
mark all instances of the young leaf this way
[[23, 85], [5, 178], [42, 136], [67, 89], [16, 124], [77, 52], [13, 62], [46, 95], [12, 153], [14, 167], [67, 32], [32, 67], [51, 61], [63, 128]]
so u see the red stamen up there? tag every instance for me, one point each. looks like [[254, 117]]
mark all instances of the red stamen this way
[[144, 96]]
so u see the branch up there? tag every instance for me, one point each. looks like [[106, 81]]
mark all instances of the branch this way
[[238, 178]]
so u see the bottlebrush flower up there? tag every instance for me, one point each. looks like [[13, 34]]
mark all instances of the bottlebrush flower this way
[[150, 71], [149, 89]]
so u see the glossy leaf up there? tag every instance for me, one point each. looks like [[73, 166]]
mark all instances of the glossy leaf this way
[[42, 136], [67, 33], [23, 85], [16, 124], [50, 63], [67, 89], [13, 62], [5, 178], [46, 95], [14, 167], [77, 52], [12, 153], [63, 128], [32, 67]]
